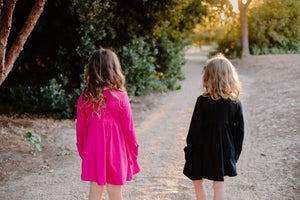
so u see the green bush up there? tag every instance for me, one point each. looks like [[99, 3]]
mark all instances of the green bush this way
[[273, 27], [152, 66], [47, 99], [22, 98], [274, 50], [148, 36], [229, 46], [170, 59], [255, 50], [137, 61]]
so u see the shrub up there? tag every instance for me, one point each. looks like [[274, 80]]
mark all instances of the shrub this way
[[229, 46], [47, 99], [170, 59], [137, 61], [274, 26], [147, 35]]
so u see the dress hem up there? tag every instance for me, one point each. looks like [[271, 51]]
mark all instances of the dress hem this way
[[208, 178], [102, 183]]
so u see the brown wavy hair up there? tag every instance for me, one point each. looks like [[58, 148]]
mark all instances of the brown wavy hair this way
[[220, 79], [103, 71]]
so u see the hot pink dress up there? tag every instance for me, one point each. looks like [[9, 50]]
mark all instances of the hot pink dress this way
[[106, 142]]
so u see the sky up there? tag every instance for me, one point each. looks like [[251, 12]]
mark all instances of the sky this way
[[235, 5]]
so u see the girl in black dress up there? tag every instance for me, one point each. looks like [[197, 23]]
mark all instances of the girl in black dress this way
[[215, 137]]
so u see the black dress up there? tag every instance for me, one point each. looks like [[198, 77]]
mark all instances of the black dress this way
[[214, 140]]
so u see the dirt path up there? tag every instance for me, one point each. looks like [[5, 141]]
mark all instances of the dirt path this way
[[269, 164]]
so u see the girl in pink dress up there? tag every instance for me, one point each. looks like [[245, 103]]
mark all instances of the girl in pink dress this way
[[106, 139]]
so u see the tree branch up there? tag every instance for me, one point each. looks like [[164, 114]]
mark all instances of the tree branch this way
[[248, 2], [24, 33], [5, 23], [240, 3]]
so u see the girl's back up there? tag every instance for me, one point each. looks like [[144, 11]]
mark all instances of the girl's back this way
[[215, 137], [217, 111], [106, 138], [110, 112], [213, 132], [109, 146]]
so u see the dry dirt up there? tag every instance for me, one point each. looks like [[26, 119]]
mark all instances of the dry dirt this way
[[268, 167]]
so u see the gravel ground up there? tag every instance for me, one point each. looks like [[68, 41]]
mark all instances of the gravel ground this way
[[268, 167]]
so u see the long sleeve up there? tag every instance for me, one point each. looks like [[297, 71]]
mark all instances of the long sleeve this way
[[239, 131], [80, 126], [129, 135], [193, 133]]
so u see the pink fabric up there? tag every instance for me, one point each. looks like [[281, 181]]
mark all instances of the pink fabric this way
[[107, 142]]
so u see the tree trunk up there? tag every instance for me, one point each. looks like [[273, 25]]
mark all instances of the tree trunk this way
[[24, 33], [5, 23], [244, 27], [1, 5]]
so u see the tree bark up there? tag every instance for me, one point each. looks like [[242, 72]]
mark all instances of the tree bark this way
[[1, 4], [24, 33], [244, 27], [5, 23]]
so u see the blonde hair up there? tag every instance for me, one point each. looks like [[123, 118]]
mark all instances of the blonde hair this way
[[103, 71], [220, 79]]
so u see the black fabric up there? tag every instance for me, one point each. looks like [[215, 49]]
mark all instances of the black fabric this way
[[214, 140]]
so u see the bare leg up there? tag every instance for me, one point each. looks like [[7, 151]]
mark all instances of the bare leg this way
[[96, 191], [219, 190], [199, 189], [114, 192]]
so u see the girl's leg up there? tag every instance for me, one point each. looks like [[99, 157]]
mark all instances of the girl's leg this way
[[114, 192], [219, 190], [96, 191], [199, 189]]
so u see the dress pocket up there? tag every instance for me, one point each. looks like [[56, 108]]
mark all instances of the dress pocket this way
[[187, 152], [192, 151]]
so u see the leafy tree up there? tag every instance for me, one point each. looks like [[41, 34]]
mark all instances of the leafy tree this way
[[275, 24], [217, 23], [148, 35], [273, 28]]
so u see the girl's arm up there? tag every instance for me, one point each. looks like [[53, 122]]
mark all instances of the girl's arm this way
[[127, 122], [194, 126], [129, 135], [239, 131], [80, 126]]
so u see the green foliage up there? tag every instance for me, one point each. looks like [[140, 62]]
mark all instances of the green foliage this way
[[170, 58], [51, 98], [265, 50], [216, 24], [138, 65], [152, 66], [221, 25], [35, 140], [149, 37], [230, 44], [274, 27], [96, 19], [55, 98]]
